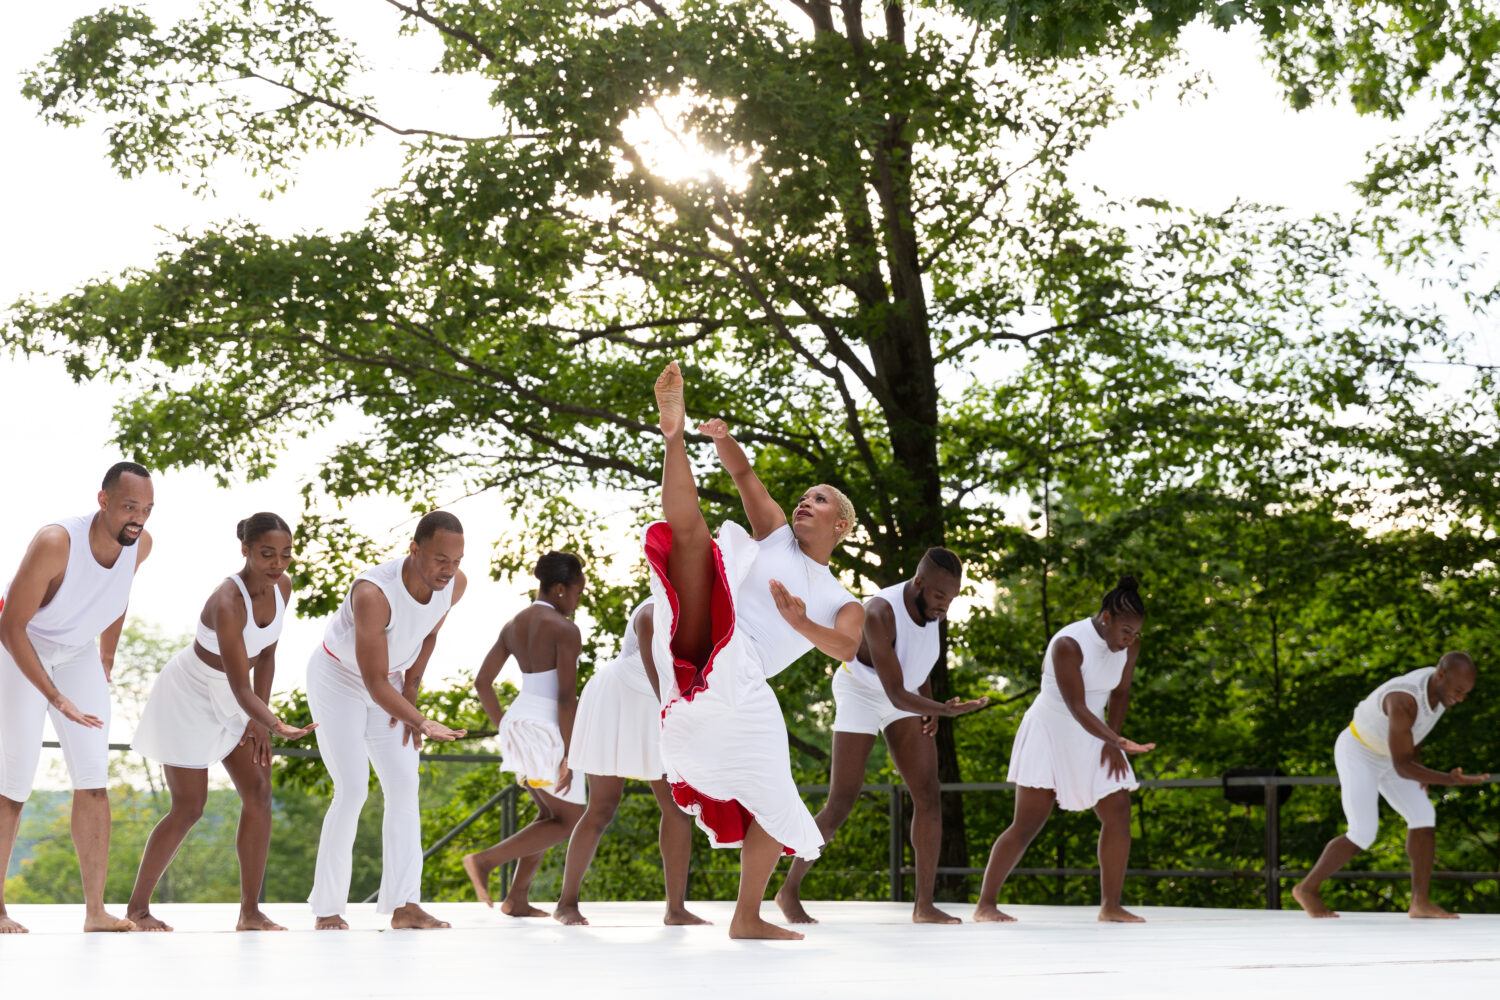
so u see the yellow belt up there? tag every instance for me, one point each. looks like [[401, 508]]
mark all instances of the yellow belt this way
[[1364, 742]]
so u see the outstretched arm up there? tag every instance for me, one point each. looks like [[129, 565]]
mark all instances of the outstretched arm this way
[[42, 566], [764, 514], [840, 642], [1401, 709], [880, 645]]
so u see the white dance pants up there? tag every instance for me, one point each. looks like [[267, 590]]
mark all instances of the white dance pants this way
[[353, 733], [79, 675], [1364, 777]]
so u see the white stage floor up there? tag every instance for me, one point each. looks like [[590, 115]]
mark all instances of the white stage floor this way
[[861, 950]]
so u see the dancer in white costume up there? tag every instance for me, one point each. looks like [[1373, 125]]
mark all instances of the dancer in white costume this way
[[362, 686], [535, 731], [885, 689], [1378, 756], [729, 615], [71, 589], [208, 705], [1067, 754], [616, 736]]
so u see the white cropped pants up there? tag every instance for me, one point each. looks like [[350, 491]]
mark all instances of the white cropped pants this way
[[1364, 778], [353, 733], [79, 675]]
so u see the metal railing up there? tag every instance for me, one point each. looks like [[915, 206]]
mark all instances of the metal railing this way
[[1271, 873]]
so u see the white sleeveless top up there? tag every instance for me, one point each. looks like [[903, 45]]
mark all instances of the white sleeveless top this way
[[256, 638], [917, 646], [1372, 727], [91, 597], [410, 625], [779, 557], [1102, 668]]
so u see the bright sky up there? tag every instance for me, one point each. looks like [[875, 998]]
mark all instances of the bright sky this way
[[69, 218]]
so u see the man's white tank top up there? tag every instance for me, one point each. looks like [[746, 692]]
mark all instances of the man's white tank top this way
[[410, 625], [917, 646], [1102, 668], [91, 597], [256, 638], [1372, 727]]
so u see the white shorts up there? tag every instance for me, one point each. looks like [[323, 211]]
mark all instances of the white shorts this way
[[531, 747], [1365, 777], [860, 706], [79, 675]]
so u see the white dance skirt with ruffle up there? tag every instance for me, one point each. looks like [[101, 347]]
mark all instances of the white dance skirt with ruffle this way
[[723, 737], [531, 746], [1053, 751], [191, 718], [617, 731]]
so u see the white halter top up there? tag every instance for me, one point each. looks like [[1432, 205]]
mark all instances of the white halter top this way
[[256, 638]]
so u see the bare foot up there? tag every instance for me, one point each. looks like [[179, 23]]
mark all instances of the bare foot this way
[[1311, 902], [9, 926], [412, 917], [257, 921], [1429, 911], [678, 916], [106, 924], [333, 923], [669, 400], [926, 913], [480, 878], [144, 921], [1117, 914], [521, 908], [989, 913], [568, 913], [791, 908], [754, 928]]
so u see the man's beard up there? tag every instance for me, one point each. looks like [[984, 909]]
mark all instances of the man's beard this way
[[124, 538], [923, 610]]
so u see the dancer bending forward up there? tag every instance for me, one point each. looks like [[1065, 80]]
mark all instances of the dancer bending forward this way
[[208, 706], [535, 731], [728, 615], [618, 735], [1065, 752]]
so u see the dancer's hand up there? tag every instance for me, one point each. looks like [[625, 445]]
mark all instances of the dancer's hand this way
[[73, 713], [1114, 762], [1131, 746], [290, 732], [1459, 778], [259, 741], [564, 778], [960, 706], [792, 607], [716, 429], [929, 725], [439, 732]]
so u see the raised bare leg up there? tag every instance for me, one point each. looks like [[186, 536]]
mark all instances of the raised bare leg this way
[[1033, 806], [1114, 857], [10, 825], [689, 564], [757, 861], [1307, 893], [604, 800], [252, 842], [1421, 847], [188, 787], [675, 838], [846, 775], [553, 825], [915, 756]]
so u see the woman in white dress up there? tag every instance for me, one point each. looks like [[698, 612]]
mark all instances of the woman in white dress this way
[[728, 615], [208, 705], [616, 736], [1067, 754]]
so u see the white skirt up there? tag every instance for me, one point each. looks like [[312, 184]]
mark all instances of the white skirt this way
[[617, 730], [723, 737], [1053, 751], [531, 746], [191, 719]]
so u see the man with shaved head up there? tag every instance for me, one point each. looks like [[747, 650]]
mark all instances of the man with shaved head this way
[[59, 624], [1378, 757]]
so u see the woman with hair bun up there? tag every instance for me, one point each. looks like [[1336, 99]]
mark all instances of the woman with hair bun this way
[[209, 705], [535, 732], [1067, 754]]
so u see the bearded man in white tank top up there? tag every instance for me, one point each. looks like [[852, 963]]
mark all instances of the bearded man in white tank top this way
[[1377, 757], [362, 686], [885, 689], [60, 622]]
